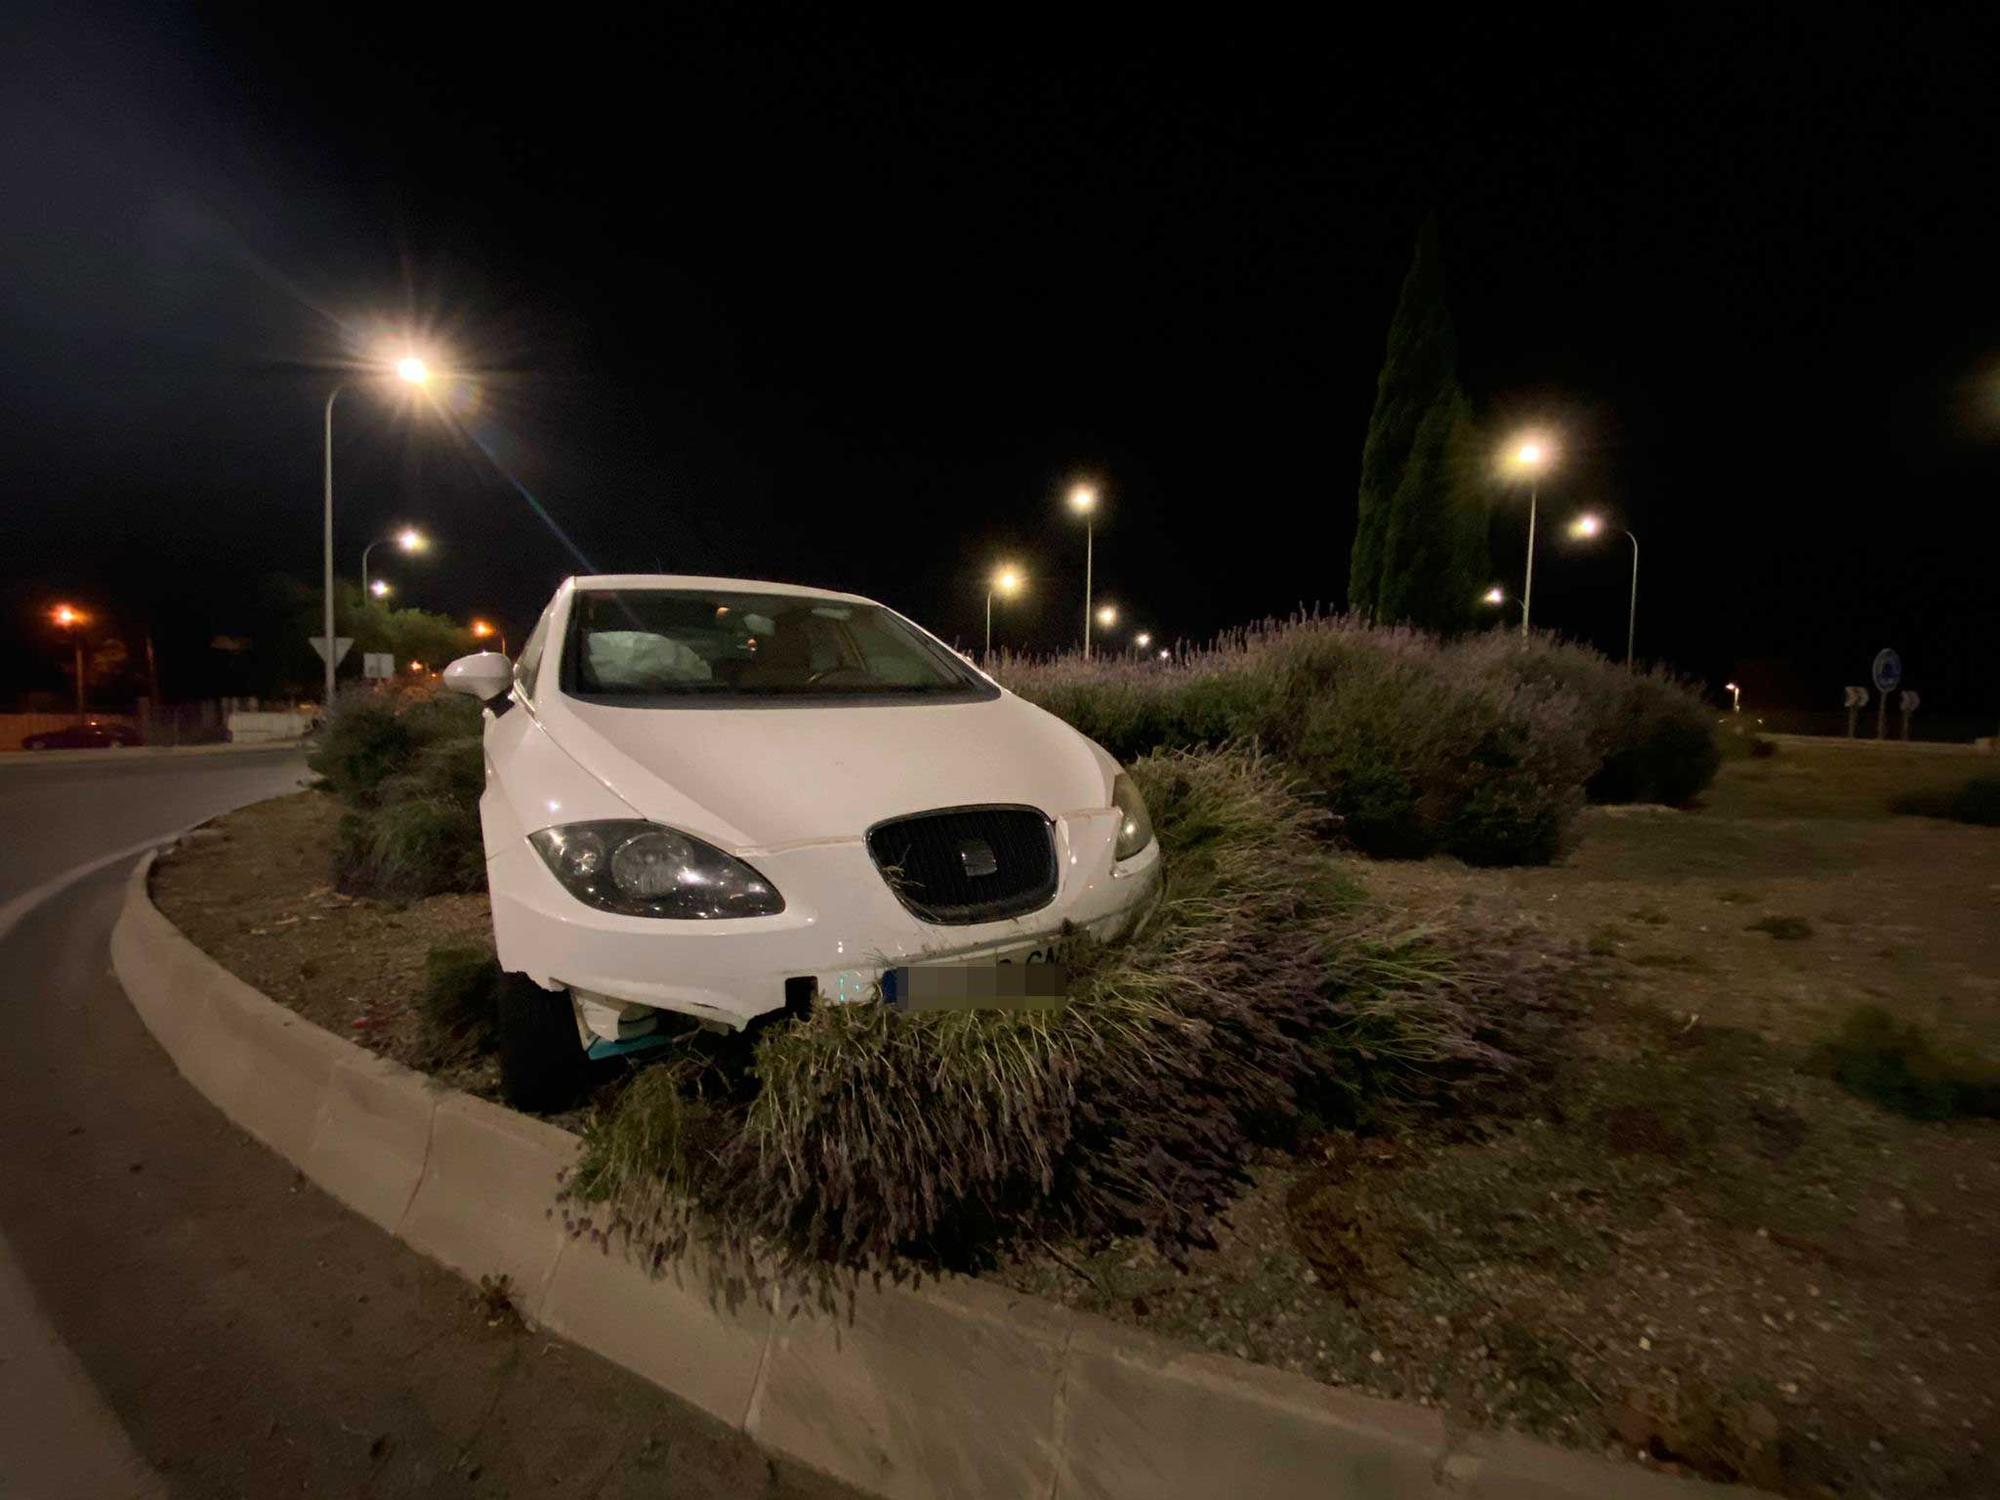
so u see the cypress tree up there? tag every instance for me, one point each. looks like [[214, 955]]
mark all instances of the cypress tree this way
[[1420, 530]]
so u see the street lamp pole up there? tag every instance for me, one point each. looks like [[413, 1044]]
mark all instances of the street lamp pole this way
[[1087, 528], [327, 571], [1528, 588], [1632, 614], [1083, 500]]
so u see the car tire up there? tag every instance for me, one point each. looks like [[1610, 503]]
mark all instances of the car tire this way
[[542, 1062]]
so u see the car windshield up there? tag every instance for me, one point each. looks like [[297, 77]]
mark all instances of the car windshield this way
[[682, 645]]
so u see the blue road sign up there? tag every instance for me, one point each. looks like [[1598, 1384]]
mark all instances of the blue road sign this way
[[1888, 670]]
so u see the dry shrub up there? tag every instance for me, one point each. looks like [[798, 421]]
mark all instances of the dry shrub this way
[[1263, 982]]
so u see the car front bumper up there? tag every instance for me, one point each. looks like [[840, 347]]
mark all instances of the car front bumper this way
[[841, 927]]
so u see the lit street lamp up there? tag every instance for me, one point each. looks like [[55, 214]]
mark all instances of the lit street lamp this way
[[1735, 697], [1107, 616], [1530, 457], [69, 618], [1006, 582], [381, 588], [413, 372], [1142, 640], [409, 539], [1590, 526], [1083, 500], [482, 631], [1494, 595]]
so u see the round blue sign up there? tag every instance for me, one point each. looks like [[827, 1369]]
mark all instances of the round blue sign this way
[[1888, 670]]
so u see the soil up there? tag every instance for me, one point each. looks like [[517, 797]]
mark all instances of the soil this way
[[1693, 1252], [255, 892], [1688, 1248]]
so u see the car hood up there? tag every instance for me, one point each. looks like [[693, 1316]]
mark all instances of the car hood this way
[[763, 778]]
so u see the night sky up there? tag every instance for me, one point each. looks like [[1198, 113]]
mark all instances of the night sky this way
[[796, 301]]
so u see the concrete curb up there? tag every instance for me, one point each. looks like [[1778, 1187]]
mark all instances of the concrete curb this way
[[135, 753], [957, 1387]]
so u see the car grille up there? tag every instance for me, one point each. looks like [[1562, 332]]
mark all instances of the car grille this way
[[968, 864]]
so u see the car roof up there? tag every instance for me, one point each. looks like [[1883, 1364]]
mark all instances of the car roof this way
[[718, 585]]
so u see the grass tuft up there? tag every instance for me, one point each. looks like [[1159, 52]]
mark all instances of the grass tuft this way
[[1898, 1067]]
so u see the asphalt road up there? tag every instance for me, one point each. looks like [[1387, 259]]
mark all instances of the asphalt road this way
[[180, 1312]]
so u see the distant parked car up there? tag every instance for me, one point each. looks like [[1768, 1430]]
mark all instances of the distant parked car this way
[[91, 736], [728, 799]]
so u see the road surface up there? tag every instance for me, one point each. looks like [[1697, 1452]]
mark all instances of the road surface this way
[[181, 1314]]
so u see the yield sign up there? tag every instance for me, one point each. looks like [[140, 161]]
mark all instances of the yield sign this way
[[340, 646]]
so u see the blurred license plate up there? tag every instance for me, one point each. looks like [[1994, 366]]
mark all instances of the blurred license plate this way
[[1026, 979]]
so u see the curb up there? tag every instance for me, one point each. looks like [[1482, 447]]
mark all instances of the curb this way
[[130, 754], [956, 1387]]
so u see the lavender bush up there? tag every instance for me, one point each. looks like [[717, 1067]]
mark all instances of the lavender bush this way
[[1482, 748]]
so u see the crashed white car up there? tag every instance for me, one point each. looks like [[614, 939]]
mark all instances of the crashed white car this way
[[732, 799]]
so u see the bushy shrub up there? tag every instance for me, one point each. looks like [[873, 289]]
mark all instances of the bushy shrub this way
[[1898, 1067], [1978, 801], [409, 769], [1651, 737], [1483, 748], [459, 1005], [373, 733], [1263, 986]]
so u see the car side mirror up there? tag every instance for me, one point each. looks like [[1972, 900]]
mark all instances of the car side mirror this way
[[485, 675]]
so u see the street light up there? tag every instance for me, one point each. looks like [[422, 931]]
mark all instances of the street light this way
[[1142, 640], [1083, 500], [1529, 457], [1165, 654], [415, 372], [1590, 526], [1735, 697], [69, 617], [481, 631], [1006, 582], [1494, 595], [408, 538], [381, 588], [1107, 615]]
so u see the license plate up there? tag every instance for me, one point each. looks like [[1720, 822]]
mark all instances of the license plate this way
[[1021, 979]]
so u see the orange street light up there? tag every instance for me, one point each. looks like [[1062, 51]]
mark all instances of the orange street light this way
[[72, 619], [482, 630]]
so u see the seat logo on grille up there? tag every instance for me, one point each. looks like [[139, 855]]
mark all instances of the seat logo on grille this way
[[976, 858]]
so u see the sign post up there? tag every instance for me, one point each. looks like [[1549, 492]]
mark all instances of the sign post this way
[[378, 664], [1857, 699], [1887, 671], [1908, 704]]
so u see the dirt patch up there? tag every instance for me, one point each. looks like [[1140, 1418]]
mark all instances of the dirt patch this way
[[253, 890]]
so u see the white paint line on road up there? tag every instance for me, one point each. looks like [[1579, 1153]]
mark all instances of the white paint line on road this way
[[28, 900], [60, 1441]]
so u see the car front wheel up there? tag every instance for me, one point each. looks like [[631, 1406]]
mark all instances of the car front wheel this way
[[541, 1057]]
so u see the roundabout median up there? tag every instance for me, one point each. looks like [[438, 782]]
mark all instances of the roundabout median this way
[[953, 1387]]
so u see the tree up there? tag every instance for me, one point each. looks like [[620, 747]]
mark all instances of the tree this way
[[1420, 530]]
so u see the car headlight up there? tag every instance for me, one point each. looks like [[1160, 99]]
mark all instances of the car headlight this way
[[1135, 824], [643, 869]]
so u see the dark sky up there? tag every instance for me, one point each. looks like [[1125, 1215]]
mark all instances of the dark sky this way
[[844, 307]]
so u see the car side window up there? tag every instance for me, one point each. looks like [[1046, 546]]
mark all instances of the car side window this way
[[530, 659]]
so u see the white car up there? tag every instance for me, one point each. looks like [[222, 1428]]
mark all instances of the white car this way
[[732, 799]]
